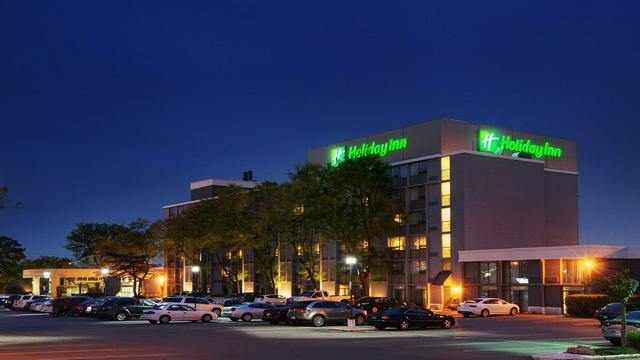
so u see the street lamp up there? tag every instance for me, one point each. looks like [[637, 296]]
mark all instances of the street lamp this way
[[350, 260], [104, 271], [195, 269], [46, 274]]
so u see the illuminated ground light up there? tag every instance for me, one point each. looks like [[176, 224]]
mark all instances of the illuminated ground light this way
[[32, 340]]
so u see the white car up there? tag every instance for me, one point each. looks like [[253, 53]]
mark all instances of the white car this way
[[273, 299], [487, 306], [24, 301], [196, 303], [245, 311], [165, 313]]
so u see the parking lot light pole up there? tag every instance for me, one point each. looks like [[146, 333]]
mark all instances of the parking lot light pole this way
[[350, 260], [195, 269]]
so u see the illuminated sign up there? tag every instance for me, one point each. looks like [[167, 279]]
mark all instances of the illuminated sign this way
[[493, 142], [339, 153]]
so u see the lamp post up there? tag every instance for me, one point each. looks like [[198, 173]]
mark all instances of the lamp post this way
[[350, 260], [195, 269]]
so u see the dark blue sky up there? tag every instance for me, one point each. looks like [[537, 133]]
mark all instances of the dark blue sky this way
[[109, 109]]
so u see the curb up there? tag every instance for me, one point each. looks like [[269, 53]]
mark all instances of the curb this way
[[566, 356]]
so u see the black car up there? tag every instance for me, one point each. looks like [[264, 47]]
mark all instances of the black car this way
[[67, 305], [405, 317], [276, 315], [374, 305], [613, 310], [124, 308], [8, 302]]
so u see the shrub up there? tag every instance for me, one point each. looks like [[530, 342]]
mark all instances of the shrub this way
[[633, 339], [585, 305]]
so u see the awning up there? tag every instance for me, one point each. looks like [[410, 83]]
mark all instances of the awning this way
[[442, 277]]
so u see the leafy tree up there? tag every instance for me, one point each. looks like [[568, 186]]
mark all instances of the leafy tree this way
[[48, 262], [267, 215], [12, 255], [360, 208], [84, 241], [131, 250], [619, 287], [4, 199], [306, 214]]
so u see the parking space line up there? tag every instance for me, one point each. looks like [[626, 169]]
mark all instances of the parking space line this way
[[9, 347], [65, 351], [110, 356]]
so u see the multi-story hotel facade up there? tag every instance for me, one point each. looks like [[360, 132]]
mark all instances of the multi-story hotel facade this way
[[487, 212]]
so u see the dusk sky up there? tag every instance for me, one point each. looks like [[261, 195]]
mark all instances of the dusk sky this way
[[108, 110]]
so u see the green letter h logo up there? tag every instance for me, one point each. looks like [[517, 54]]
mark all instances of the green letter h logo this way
[[337, 156]]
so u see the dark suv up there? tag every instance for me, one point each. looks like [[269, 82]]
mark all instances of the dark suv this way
[[124, 308], [67, 305], [374, 305]]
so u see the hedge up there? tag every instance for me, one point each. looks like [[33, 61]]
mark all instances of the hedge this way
[[585, 305]]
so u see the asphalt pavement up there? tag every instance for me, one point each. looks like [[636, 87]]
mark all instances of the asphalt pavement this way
[[40, 336]]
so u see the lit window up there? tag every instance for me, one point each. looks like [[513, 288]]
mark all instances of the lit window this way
[[398, 219], [298, 210], [365, 245], [419, 242], [316, 248], [299, 249], [445, 190], [446, 219], [240, 253], [396, 242], [446, 245], [445, 167]]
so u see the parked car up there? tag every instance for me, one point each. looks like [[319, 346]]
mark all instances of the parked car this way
[[124, 308], [36, 305], [405, 317], [66, 305], [165, 313], [613, 310], [8, 304], [322, 312], [318, 295], [276, 315], [195, 302], [47, 307], [246, 311], [611, 328], [374, 305], [273, 299], [3, 300], [487, 306], [22, 303], [236, 299]]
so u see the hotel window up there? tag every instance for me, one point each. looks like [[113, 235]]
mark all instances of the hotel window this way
[[418, 168], [399, 171], [397, 267], [518, 272], [488, 273], [446, 219], [418, 267], [445, 167], [396, 243], [417, 217], [418, 242], [445, 192], [316, 248], [446, 245]]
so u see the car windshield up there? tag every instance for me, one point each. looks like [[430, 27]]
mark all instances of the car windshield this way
[[301, 304], [307, 293]]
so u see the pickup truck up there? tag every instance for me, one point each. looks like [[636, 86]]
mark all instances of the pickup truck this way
[[318, 295]]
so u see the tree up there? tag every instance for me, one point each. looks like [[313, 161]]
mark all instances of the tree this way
[[360, 208], [85, 239], [131, 250], [12, 255], [619, 287], [4, 199], [48, 262], [267, 216]]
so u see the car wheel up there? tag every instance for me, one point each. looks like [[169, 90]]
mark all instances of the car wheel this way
[[206, 318], [122, 316], [404, 325], [446, 324], [513, 312], [164, 319], [217, 312], [234, 319], [379, 327], [247, 317], [152, 321], [318, 320], [374, 310], [359, 320], [484, 313], [466, 315]]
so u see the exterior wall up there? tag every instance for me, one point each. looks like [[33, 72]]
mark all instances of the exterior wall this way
[[561, 208]]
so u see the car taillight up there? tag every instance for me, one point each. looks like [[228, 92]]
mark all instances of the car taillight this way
[[108, 307], [298, 310], [385, 317]]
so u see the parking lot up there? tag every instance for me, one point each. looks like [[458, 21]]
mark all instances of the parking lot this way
[[40, 336]]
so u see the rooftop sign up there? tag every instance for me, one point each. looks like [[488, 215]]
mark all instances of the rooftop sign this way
[[493, 142], [339, 153]]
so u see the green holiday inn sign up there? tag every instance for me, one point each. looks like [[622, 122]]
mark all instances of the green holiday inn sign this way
[[339, 153], [493, 142]]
